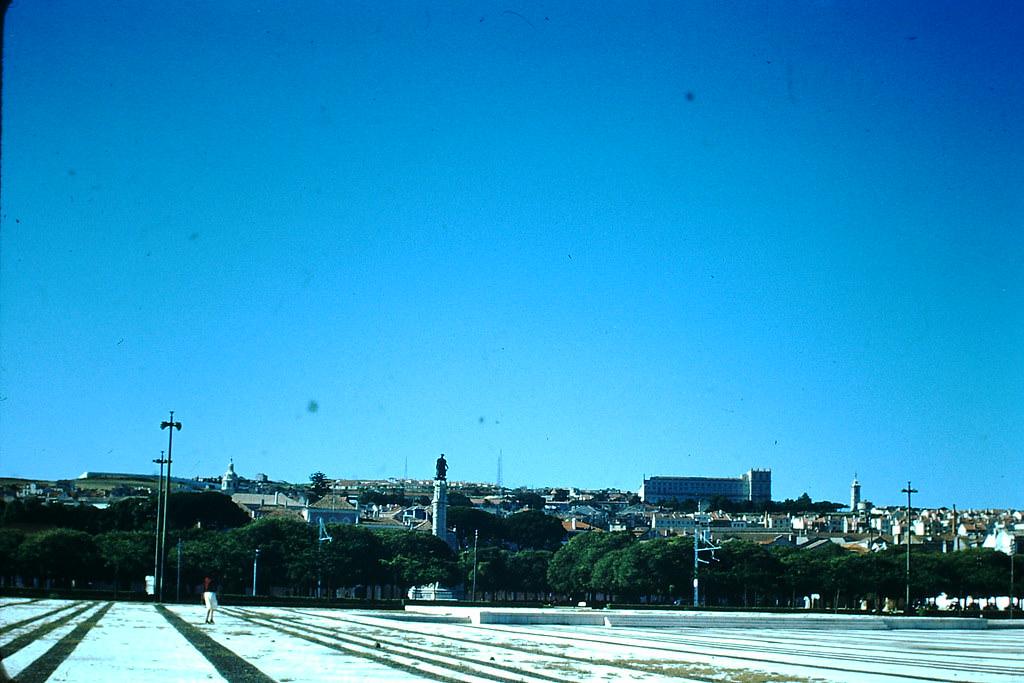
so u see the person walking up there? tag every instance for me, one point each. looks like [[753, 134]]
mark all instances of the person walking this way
[[210, 598]]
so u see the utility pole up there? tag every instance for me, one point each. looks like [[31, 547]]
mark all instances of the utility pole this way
[[255, 566], [699, 520], [696, 565], [157, 556], [476, 537], [1013, 551], [909, 490], [170, 425], [324, 536]]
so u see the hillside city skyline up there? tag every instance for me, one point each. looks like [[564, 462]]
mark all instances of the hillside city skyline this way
[[856, 491]]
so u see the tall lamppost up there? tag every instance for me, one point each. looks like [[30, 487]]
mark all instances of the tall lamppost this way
[[170, 425], [476, 537], [909, 490], [1013, 551], [255, 565], [157, 547]]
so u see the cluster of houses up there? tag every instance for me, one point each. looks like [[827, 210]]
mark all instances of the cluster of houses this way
[[863, 528], [867, 530]]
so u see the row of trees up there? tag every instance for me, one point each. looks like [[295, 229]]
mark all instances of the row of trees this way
[[725, 504], [609, 566], [523, 555], [749, 574], [209, 510], [291, 556], [210, 536]]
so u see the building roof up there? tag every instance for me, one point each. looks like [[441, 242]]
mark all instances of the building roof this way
[[278, 511], [255, 500], [384, 522], [575, 525], [333, 501]]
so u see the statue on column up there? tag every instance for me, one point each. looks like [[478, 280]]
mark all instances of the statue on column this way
[[442, 468]]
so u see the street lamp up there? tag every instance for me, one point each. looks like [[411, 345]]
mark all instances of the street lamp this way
[[157, 546], [170, 425], [909, 490], [1013, 551], [476, 537], [255, 565]]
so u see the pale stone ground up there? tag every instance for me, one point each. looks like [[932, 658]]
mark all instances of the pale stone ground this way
[[55, 640]]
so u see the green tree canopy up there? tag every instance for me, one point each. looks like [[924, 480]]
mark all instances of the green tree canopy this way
[[415, 559], [525, 498], [459, 499], [571, 570], [318, 484], [492, 569], [369, 496], [128, 555], [468, 521], [535, 529], [282, 543], [803, 572], [875, 577], [61, 556], [10, 541], [974, 572], [353, 557], [219, 555], [743, 572], [660, 569], [207, 509], [131, 514], [528, 571]]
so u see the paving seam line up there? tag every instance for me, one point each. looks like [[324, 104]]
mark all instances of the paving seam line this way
[[340, 644], [232, 667], [725, 652], [41, 669], [35, 634], [393, 659]]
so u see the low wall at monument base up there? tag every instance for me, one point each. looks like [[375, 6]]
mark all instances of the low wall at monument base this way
[[560, 616], [555, 616]]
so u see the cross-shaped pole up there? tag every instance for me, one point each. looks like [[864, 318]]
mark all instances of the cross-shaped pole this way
[[909, 490]]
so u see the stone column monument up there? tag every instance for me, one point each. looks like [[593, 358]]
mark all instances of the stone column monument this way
[[439, 507]]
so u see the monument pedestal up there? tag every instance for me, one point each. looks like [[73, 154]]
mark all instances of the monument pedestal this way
[[439, 526], [439, 508], [432, 591]]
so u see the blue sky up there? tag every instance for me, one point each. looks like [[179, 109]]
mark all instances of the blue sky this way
[[601, 240]]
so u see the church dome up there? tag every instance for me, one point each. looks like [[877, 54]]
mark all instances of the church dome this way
[[229, 482]]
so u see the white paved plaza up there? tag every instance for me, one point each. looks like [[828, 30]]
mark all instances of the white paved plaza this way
[[60, 640]]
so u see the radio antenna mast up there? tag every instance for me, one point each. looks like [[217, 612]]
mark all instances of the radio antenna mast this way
[[500, 482]]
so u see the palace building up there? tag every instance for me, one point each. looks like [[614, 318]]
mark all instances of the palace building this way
[[752, 485]]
